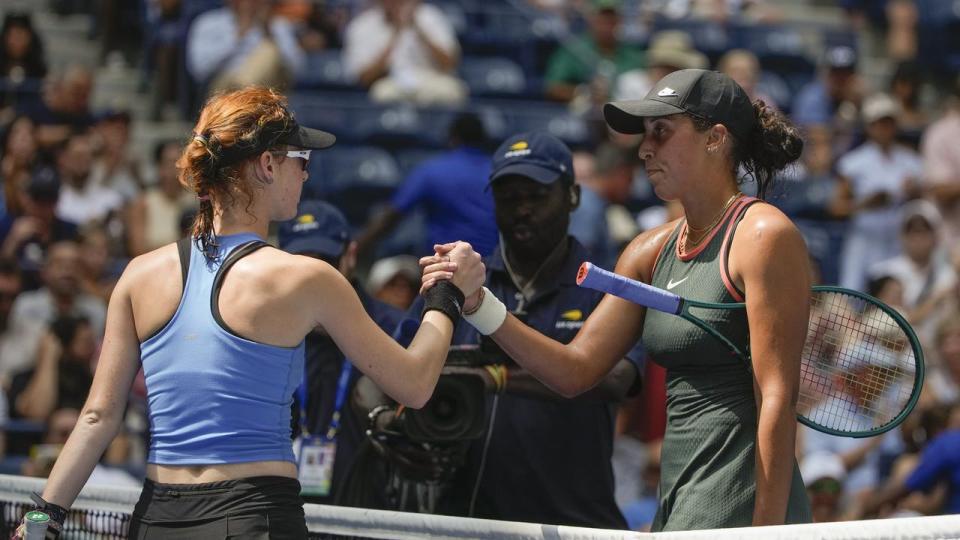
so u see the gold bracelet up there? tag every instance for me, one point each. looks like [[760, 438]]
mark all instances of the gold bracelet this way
[[479, 303]]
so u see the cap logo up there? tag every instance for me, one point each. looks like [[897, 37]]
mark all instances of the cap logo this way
[[306, 218], [304, 223], [521, 145], [668, 92]]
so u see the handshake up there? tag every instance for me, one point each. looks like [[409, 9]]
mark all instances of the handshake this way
[[460, 265]]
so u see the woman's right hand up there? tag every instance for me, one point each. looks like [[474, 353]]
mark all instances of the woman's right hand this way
[[458, 262]]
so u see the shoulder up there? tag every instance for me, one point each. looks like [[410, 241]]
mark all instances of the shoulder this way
[[275, 271], [763, 222], [638, 258], [766, 238], [156, 271]]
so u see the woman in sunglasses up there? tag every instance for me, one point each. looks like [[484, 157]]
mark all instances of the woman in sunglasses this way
[[217, 322]]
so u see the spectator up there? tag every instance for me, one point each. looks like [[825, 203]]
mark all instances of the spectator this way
[[833, 99], [63, 374], [743, 67], [874, 180], [19, 338], [670, 50], [404, 50], [609, 184], [242, 44], [113, 167], [28, 235], [21, 49], [61, 295], [318, 25], [824, 474], [321, 231], [65, 106], [533, 271], [163, 54], [452, 190], [81, 200], [941, 162], [99, 271], [588, 66], [19, 152], [153, 220], [395, 281], [945, 377], [905, 87], [921, 268]]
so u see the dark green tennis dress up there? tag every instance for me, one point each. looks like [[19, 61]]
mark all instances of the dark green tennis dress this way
[[707, 470]]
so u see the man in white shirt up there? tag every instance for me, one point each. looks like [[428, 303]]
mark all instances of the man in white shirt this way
[[81, 200], [19, 338], [941, 163], [874, 180], [242, 44], [404, 50]]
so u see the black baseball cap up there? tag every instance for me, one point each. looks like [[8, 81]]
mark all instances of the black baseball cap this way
[[536, 155], [709, 95], [44, 184], [319, 228]]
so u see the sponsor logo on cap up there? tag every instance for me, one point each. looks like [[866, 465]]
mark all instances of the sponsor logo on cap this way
[[306, 222], [520, 145], [572, 315], [668, 92]]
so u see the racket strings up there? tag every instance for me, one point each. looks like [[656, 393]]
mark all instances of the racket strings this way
[[858, 364]]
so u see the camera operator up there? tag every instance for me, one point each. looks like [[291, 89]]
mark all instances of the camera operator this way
[[330, 429], [543, 458]]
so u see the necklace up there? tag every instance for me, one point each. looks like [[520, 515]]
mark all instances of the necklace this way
[[701, 233]]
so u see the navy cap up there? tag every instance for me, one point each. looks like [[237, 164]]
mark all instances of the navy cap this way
[[318, 228], [44, 184], [840, 57], [535, 155], [709, 95]]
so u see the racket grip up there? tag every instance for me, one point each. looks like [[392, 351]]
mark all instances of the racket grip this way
[[593, 277]]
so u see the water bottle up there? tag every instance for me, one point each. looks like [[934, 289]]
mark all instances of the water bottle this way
[[36, 525]]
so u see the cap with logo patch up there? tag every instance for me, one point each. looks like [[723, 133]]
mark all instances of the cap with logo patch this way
[[319, 228], [709, 95], [536, 155]]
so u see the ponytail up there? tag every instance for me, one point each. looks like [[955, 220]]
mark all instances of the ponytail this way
[[773, 144]]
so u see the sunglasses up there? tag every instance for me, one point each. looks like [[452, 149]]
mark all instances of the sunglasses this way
[[302, 154]]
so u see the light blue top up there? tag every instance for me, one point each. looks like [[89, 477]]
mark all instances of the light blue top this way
[[215, 397]]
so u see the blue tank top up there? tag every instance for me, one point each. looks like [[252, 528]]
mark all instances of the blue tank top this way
[[213, 396]]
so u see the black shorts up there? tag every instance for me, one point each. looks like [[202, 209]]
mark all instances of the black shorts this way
[[261, 507]]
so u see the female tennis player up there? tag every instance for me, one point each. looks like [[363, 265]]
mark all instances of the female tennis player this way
[[218, 327], [728, 454]]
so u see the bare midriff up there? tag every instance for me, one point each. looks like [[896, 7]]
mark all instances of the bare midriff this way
[[201, 474]]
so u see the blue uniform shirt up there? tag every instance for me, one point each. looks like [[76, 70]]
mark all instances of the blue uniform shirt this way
[[452, 188], [548, 460], [940, 461]]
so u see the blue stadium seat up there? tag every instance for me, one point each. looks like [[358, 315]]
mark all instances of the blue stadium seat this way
[[324, 70], [335, 112], [353, 178], [493, 76]]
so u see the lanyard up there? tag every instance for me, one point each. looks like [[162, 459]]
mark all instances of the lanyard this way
[[341, 397]]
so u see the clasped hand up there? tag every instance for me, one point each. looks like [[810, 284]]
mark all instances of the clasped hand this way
[[459, 263]]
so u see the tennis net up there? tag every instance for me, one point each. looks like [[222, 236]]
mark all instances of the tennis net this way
[[104, 514]]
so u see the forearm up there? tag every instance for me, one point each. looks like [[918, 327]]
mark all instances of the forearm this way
[[946, 193], [562, 368], [776, 433], [379, 67], [39, 398], [613, 388], [423, 363], [80, 455]]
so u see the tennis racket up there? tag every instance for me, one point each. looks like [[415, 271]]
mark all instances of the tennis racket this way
[[861, 368]]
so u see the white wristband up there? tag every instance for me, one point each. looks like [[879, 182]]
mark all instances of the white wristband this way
[[488, 317]]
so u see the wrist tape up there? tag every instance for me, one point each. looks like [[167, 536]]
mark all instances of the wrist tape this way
[[444, 297], [488, 317]]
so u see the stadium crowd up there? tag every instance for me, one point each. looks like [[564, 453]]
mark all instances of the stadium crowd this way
[[419, 94]]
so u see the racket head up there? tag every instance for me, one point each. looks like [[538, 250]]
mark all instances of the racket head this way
[[862, 366]]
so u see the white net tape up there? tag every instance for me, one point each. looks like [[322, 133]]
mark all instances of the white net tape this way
[[363, 523]]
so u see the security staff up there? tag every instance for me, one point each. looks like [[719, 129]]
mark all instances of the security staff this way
[[544, 458]]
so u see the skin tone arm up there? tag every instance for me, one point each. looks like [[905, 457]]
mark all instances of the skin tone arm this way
[[407, 375], [764, 258], [614, 387], [39, 398], [604, 339], [102, 414]]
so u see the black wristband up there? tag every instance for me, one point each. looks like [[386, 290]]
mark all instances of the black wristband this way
[[444, 297], [57, 513]]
